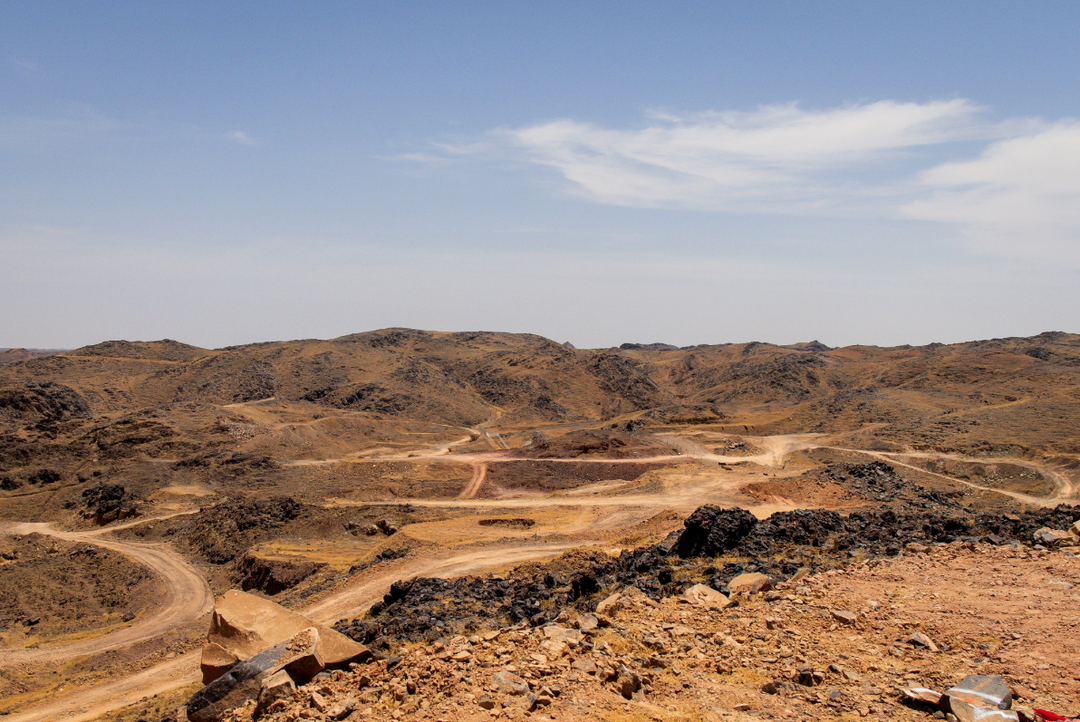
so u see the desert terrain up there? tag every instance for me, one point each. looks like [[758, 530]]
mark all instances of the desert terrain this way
[[434, 494]]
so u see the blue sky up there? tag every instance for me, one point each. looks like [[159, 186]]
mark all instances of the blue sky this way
[[854, 172]]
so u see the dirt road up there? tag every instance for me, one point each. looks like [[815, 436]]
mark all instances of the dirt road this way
[[351, 599], [185, 598], [1064, 488], [477, 480], [188, 597]]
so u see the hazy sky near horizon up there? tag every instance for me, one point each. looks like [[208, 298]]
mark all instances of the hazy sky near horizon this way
[[595, 172]]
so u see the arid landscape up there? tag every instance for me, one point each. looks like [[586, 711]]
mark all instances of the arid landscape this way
[[467, 506]]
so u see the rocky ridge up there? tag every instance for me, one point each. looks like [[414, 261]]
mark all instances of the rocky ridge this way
[[838, 644]]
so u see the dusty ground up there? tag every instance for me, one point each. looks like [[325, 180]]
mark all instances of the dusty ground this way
[[434, 433], [990, 610], [53, 588]]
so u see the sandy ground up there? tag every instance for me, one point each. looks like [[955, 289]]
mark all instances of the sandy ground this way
[[187, 596], [988, 610]]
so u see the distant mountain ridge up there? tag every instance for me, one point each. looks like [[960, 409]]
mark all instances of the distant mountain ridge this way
[[465, 378]]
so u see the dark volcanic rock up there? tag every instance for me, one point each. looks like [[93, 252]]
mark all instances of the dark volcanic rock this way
[[716, 544], [108, 503], [226, 530], [711, 530], [45, 401]]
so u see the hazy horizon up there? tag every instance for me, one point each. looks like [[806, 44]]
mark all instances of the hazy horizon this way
[[901, 173]]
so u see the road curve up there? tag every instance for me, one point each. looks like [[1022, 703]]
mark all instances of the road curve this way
[[352, 599], [186, 598], [1064, 489]]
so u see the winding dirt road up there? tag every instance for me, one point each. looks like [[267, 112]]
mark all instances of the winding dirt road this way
[[351, 599], [186, 597], [1064, 488]]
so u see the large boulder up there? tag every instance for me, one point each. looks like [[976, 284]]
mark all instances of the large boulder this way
[[243, 681], [244, 625], [711, 531]]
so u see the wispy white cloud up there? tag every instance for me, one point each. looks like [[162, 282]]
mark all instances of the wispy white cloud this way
[[239, 136], [1020, 195], [779, 155], [1009, 186]]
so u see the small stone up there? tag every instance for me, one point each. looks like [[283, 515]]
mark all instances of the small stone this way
[[609, 605], [584, 665], [507, 682], [629, 681], [278, 686], [486, 702], [742, 707], [556, 633], [803, 573], [844, 616], [749, 583], [319, 702], [967, 712], [342, 710], [923, 695], [808, 677], [707, 597], [588, 622], [918, 639], [1052, 537]]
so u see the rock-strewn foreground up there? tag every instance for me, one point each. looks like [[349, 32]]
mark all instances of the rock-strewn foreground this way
[[839, 644], [673, 632], [371, 483]]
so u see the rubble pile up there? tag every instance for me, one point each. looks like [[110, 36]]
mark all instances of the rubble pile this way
[[866, 640], [878, 481], [817, 646], [715, 546]]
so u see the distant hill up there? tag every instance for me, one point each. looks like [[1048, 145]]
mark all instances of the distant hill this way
[[468, 378], [11, 355]]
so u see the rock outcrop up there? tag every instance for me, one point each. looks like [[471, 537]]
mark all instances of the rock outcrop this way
[[244, 625]]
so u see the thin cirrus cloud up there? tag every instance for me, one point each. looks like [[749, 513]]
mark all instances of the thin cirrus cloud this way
[[239, 136], [1020, 196], [738, 161], [1008, 187]]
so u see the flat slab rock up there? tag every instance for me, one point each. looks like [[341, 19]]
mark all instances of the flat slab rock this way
[[239, 684], [703, 596], [244, 625], [750, 583]]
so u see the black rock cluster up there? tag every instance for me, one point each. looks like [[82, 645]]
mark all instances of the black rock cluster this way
[[878, 481], [716, 545]]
